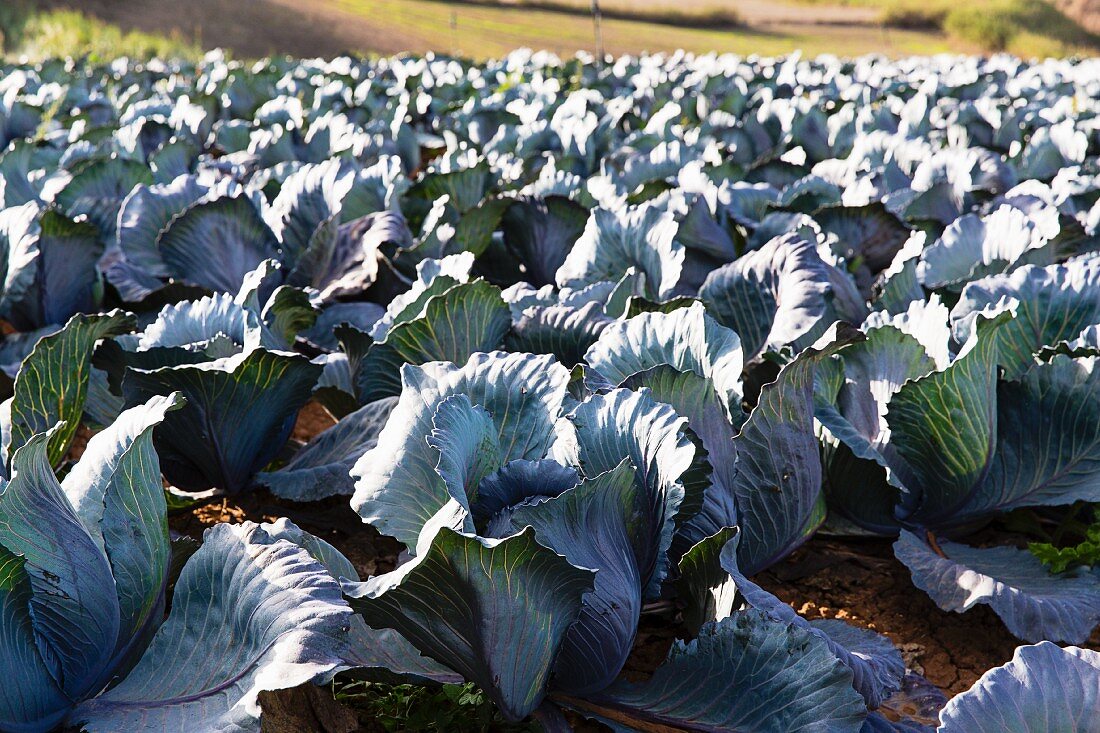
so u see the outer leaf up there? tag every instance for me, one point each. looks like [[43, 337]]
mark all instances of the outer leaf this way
[[73, 610], [924, 320], [693, 397], [31, 699], [355, 256], [1043, 689], [1052, 461], [704, 585], [464, 320], [898, 286], [1054, 304], [869, 235], [876, 666], [239, 413], [53, 382], [1033, 603], [494, 611], [307, 199], [1087, 344], [433, 277], [333, 560], [117, 492], [102, 406], [249, 613], [147, 211], [687, 339], [321, 468], [466, 187], [198, 323], [361, 316], [643, 237], [540, 232], [770, 297], [19, 241], [475, 228], [943, 427], [17, 162], [775, 496], [214, 244], [851, 396], [66, 280], [563, 331], [972, 247], [747, 673], [97, 189], [384, 652], [287, 312], [583, 524]]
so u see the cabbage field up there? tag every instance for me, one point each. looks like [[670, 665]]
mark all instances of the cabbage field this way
[[614, 395]]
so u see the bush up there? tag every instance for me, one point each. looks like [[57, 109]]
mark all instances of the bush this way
[[71, 33], [1024, 27], [991, 27], [915, 15]]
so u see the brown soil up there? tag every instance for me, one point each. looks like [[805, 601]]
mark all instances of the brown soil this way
[[312, 419], [332, 520], [1085, 12], [863, 584]]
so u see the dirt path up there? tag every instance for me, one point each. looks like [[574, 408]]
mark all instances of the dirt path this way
[[766, 13]]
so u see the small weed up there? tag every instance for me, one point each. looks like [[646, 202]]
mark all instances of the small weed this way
[[1085, 552], [391, 707]]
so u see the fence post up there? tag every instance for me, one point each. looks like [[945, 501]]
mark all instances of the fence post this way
[[454, 33], [597, 28]]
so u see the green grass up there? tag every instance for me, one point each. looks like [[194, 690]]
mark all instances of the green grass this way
[[481, 32], [39, 35], [487, 28]]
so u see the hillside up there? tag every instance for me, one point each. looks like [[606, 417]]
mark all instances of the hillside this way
[[483, 28]]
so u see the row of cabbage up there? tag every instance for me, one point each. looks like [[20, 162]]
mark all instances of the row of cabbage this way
[[598, 336]]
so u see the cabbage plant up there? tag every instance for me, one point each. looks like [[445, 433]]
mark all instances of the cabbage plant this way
[[86, 567]]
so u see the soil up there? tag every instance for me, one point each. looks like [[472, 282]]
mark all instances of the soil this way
[[1085, 12], [858, 581], [862, 583], [312, 419], [332, 520]]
